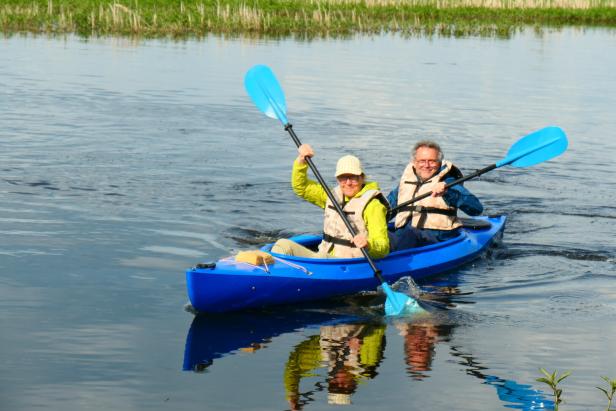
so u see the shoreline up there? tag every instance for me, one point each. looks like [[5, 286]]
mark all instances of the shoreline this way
[[300, 18]]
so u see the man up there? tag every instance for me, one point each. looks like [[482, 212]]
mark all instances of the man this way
[[362, 202], [434, 218]]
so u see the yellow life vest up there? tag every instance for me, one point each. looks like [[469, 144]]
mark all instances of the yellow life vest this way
[[431, 212], [336, 235]]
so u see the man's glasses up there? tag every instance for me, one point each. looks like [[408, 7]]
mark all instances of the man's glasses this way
[[427, 162]]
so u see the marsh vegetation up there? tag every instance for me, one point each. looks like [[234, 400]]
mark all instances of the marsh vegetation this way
[[305, 18]]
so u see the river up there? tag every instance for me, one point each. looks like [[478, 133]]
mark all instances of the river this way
[[124, 162]]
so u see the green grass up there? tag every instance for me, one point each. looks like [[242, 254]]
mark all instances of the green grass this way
[[303, 18]]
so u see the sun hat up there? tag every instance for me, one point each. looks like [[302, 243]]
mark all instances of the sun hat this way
[[349, 165]]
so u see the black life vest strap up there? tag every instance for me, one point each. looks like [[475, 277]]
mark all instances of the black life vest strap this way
[[425, 210], [381, 198], [336, 240]]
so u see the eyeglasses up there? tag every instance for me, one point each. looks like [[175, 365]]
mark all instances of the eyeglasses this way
[[348, 178], [427, 162]]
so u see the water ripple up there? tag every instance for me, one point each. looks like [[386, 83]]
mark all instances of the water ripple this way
[[521, 250]]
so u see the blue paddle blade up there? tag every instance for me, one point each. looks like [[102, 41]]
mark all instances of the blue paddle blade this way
[[536, 148], [266, 93], [399, 303]]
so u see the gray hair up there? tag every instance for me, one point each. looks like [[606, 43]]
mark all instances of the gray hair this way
[[428, 144]]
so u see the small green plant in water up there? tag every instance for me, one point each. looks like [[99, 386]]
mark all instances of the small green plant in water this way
[[610, 394], [553, 380]]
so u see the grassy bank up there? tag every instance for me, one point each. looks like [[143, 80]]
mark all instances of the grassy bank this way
[[306, 18]]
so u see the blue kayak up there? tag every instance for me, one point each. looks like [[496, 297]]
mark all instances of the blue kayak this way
[[228, 285]]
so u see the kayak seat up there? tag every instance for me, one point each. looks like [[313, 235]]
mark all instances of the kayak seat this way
[[474, 224], [210, 265], [313, 245]]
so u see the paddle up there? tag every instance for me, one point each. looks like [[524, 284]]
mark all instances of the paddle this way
[[266, 93], [534, 148]]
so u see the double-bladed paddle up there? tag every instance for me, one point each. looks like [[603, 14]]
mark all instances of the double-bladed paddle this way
[[266, 93], [534, 148]]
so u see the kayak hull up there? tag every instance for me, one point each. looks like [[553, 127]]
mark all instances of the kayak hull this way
[[228, 285]]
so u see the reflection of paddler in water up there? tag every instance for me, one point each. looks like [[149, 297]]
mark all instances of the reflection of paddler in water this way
[[422, 333], [351, 353], [420, 339]]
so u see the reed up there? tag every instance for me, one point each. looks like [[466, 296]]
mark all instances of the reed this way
[[306, 18], [609, 393], [553, 380]]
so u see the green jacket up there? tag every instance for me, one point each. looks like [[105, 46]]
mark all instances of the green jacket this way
[[374, 214]]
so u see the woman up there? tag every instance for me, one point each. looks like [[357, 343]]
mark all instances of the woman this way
[[362, 202]]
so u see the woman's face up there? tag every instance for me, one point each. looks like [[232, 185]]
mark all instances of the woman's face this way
[[350, 184]]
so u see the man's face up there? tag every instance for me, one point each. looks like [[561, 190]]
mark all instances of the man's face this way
[[426, 162]]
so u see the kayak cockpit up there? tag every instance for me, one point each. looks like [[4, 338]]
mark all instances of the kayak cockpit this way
[[312, 241]]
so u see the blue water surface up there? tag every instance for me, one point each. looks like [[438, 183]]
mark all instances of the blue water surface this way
[[124, 162]]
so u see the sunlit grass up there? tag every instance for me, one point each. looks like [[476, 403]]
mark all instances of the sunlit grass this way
[[299, 17]]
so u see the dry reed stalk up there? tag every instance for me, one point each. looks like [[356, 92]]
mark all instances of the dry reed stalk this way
[[496, 4]]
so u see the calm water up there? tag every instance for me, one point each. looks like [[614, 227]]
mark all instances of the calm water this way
[[123, 163]]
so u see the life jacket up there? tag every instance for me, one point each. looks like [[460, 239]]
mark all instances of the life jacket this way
[[336, 235], [431, 212]]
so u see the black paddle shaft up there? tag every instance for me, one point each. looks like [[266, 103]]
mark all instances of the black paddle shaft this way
[[453, 183], [331, 197]]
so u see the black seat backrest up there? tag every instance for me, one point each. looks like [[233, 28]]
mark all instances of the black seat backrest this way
[[475, 224]]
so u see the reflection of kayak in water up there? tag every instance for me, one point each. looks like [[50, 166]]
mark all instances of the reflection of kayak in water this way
[[344, 352], [214, 336], [341, 352], [229, 285]]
